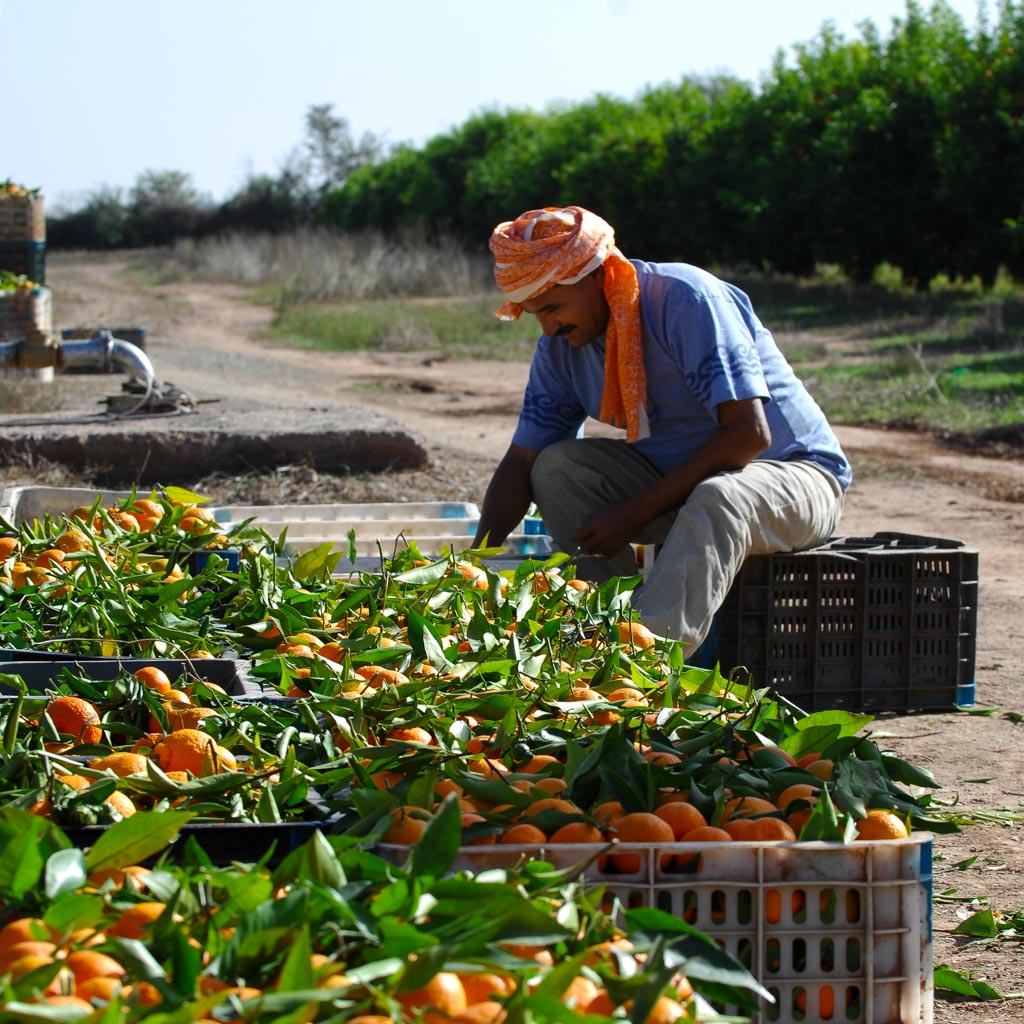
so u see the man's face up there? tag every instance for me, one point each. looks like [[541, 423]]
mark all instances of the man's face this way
[[577, 312]]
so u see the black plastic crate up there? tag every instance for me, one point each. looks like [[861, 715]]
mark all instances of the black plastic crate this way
[[41, 670], [886, 622], [228, 842], [28, 258]]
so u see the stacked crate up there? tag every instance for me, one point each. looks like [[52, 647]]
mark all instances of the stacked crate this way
[[22, 232]]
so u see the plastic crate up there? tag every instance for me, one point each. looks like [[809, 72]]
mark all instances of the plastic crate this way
[[20, 505], [25, 310], [814, 923], [226, 843], [28, 258], [881, 623], [41, 670], [383, 527], [22, 218]]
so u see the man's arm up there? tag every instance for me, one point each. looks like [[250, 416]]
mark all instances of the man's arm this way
[[508, 497], [741, 436]]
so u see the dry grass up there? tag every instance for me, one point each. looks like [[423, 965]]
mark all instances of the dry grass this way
[[323, 266]]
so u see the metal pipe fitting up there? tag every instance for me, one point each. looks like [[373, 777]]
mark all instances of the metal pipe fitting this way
[[107, 352]]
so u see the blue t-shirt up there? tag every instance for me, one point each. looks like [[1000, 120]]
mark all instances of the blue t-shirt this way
[[703, 345]]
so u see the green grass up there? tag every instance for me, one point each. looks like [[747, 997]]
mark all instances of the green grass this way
[[461, 328], [946, 362]]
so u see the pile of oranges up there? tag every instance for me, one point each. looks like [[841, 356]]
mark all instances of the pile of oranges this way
[[182, 749]]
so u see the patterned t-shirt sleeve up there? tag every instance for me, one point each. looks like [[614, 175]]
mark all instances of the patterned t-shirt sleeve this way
[[551, 411], [716, 347]]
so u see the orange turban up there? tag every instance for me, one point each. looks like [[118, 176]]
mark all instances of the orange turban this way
[[552, 246]]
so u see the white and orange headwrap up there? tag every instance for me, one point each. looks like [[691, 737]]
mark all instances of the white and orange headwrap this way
[[552, 246]]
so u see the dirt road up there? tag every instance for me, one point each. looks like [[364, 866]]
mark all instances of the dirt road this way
[[206, 339]]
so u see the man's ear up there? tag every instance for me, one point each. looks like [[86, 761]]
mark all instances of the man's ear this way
[[598, 276]]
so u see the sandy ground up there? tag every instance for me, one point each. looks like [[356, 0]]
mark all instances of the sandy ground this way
[[206, 339]]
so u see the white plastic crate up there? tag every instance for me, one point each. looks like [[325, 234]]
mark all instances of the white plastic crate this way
[[836, 932], [20, 505], [383, 527], [334, 514]]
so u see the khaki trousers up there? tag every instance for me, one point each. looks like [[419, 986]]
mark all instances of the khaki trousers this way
[[766, 507]]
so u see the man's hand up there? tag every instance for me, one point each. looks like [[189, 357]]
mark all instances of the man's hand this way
[[608, 532]]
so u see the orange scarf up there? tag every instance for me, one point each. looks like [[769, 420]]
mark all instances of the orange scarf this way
[[543, 248]]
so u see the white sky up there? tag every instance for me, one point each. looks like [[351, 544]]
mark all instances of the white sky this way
[[98, 91]]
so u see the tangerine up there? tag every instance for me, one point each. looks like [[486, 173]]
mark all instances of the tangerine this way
[[882, 824], [153, 677], [137, 919], [190, 750], [640, 827], [443, 993], [682, 817], [75, 717], [522, 834]]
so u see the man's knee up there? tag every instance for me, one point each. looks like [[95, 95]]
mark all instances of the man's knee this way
[[552, 467]]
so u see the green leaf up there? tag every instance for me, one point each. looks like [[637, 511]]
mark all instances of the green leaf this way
[[65, 872], [321, 559], [981, 925], [435, 852], [134, 839], [959, 983]]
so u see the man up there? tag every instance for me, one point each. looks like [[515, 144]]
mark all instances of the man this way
[[725, 453]]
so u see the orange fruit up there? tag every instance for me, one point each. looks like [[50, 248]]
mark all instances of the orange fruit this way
[[377, 676], [73, 540], [31, 962], [746, 807], [578, 832], [608, 811], [189, 750], [484, 1012], [153, 677], [538, 763], [25, 929], [640, 827], [481, 986], [821, 769], [664, 1011], [121, 803], [798, 791], [523, 834], [47, 559], [739, 828], [85, 964], [8, 545], [681, 816], [443, 993], [125, 520], [121, 763], [27, 947], [119, 877], [77, 1002], [550, 803], [771, 830], [136, 920], [182, 716], [103, 989], [882, 824], [76, 717], [146, 507], [469, 818], [408, 825], [635, 634]]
